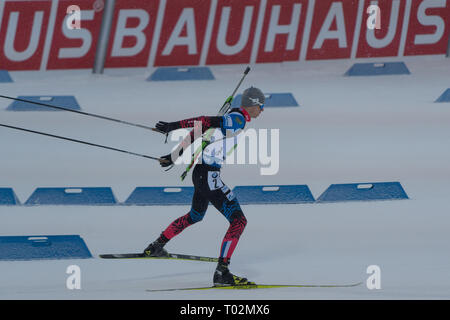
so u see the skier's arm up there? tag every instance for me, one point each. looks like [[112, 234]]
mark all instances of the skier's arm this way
[[233, 121], [206, 121], [210, 122], [187, 141]]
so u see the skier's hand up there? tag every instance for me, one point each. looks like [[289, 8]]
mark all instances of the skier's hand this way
[[165, 161], [165, 127]]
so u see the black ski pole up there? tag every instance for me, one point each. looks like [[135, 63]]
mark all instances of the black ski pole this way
[[80, 141], [82, 113]]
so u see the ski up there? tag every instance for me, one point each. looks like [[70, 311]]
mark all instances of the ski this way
[[260, 286], [173, 256]]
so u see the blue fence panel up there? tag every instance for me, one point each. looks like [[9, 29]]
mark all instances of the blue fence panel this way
[[43, 247], [376, 69], [181, 73], [273, 194], [144, 196], [4, 76], [72, 196], [363, 192], [8, 197], [445, 97]]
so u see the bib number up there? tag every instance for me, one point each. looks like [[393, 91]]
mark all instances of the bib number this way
[[214, 181]]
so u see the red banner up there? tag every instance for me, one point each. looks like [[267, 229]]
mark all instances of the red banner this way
[[182, 33], [53, 35], [283, 28], [132, 33], [383, 42], [428, 30], [23, 32], [74, 48], [332, 30], [233, 32]]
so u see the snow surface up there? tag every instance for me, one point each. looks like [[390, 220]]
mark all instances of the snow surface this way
[[347, 129]]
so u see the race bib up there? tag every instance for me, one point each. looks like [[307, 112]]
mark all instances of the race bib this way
[[214, 181]]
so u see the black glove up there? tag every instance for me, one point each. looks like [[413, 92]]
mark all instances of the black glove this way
[[165, 161], [166, 127]]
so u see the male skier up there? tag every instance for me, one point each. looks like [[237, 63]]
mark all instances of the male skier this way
[[208, 186]]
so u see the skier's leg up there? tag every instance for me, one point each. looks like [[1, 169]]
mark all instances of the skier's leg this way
[[196, 214], [225, 201], [222, 276], [232, 211]]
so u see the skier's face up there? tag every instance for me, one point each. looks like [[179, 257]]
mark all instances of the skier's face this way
[[254, 111]]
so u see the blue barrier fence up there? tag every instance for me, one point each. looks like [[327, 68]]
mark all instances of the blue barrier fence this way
[[363, 192], [162, 196], [72, 196], [43, 247], [378, 69], [5, 77], [180, 74]]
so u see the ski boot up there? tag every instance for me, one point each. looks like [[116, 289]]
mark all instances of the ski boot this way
[[223, 277], [156, 249]]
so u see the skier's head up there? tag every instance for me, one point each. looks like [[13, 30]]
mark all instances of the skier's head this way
[[253, 101]]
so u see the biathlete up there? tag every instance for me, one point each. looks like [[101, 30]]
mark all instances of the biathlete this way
[[208, 186]]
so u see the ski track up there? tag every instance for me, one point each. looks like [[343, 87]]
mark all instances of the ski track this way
[[346, 130]]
